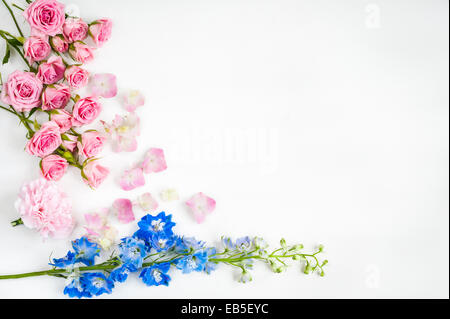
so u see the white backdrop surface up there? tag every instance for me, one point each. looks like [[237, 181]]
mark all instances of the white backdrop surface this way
[[324, 122]]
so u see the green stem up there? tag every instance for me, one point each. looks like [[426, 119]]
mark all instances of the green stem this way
[[16, 6], [16, 223], [14, 17]]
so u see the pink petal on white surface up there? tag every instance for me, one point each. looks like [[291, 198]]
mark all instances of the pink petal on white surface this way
[[201, 206], [132, 179], [104, 85], [132, 100], [124, 210], [147, 203], [154, 161]]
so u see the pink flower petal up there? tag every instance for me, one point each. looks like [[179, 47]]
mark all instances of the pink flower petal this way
[[124, 210], [154, 161], [201, 206], [132, 179], [104, 85], [132, 100]]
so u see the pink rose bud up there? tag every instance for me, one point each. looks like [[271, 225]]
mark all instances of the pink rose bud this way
[[36, 49], [94, 174], [52, 71], [53, 167], [46, 16], [76, 77], [81, 52], [45, 141], [86, 111], [55, 97], [64, 121], [91, 143], [22, 91], [70, 142], [59, 44], [100, 31], [75, 29]]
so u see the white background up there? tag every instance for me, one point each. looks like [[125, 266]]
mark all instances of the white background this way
[[347, 103]]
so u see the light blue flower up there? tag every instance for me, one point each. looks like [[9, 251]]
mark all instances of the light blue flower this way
[[156, 225], [185, 245], [195, 262], [120, 274], [227, 243], [156, 275], [96, 284], [160, 242], [85, 251], [75, 289], [210, 266], [132, 252], [244, 244]]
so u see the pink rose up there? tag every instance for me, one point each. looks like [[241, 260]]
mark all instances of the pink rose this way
[[59, 44], [22, 91], [55, 97], [91, 143], [76, 77], [36, 49], [94, 174], [63, 119], [81, 52], [53, 167], [100, 31], [52, 71], [45, 141], [85, 111], [75, 29], [46, 16], [70, 142]]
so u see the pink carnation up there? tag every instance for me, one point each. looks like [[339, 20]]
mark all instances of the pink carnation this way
[[44, 207], [51, 71], [53, 167], [100, 31], [75, 29], [45, 141], [22, 91], [55, 97], [46, 16]]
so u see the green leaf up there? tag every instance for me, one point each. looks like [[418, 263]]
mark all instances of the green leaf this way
[[14, 42], [7, 54]]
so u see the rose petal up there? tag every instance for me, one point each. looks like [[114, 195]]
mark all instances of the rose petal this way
[[132, 100], [104, 85], [147, 202], [154, 161]]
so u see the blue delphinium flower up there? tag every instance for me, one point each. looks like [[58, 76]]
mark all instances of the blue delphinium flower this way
[[210, 266], [156, 275], [85, 251], [227, 243], [150, 225], [75, 289], [161, 242], [97, 284], [132, 252], [121, 273], [65, 262], [185, 245], [195, 262], [244, 244]]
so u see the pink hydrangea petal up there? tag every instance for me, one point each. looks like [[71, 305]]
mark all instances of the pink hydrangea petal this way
[[132, 100], [124, 210], [154, 161], [104, 85], [132, 179], [201, 206], [147, 203]]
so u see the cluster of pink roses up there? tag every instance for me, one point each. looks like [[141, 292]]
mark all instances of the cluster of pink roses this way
[[49, 85]]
